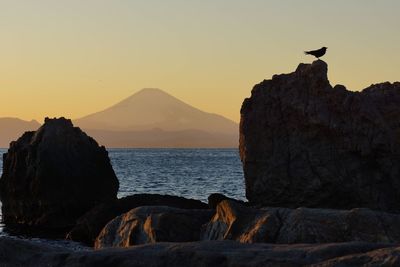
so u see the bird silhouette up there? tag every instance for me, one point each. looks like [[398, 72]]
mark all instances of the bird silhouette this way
[[317, 53]]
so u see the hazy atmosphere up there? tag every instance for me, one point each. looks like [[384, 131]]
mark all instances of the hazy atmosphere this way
[[74, 58], [199, 133]]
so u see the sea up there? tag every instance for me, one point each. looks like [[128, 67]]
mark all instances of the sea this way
[[191, 173]]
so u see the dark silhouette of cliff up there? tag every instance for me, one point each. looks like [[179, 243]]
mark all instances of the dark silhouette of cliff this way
[[304, 143]]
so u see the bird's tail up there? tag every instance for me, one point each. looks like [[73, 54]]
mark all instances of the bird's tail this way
[[306, 52]]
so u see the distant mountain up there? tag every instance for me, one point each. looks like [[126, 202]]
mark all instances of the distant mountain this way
[[12, 128], [149, 118], [153, 118], [155, 109]]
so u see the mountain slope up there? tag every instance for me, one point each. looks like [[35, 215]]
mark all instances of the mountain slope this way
[[153, 108], [149, 118], [12, 128]]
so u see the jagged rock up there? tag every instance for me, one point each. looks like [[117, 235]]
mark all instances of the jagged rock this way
[[304, 143], [90, 224], [212, 253], [233, 221], [215, 198], [53, 176], [150, 224]]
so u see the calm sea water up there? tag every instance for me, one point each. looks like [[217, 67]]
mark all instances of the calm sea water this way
[[192, 173]]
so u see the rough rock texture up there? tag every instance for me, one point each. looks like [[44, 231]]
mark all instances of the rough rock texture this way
[[215, 198], [90, 224], [54, 175], [150, 224], [379, 257], [199, 254], [233, 221], [304, 143]]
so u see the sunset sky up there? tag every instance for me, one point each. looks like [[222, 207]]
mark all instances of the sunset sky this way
[[75, 57]]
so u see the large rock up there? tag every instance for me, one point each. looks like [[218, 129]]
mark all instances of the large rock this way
[[151, 224], [199, 254], [90, 224], [53, 176], [233, 221], [215, 198], [304, 143]]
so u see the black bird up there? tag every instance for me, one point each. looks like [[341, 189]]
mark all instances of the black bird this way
[[317, 53]]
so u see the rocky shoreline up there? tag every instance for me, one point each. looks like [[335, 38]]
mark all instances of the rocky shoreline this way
[[206, 253], [322, 178]]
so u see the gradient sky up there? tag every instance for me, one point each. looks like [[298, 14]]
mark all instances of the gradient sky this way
[[74, 57]]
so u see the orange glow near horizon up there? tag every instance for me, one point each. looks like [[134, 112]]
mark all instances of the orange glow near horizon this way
[[73, 58]]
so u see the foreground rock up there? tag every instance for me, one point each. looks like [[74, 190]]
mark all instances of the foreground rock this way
[[216, 198], [53, 176], [233, 221], [153, 224], [304, 143], [213, 253], [89, 225]]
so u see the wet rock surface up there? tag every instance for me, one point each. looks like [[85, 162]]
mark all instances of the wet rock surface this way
[[233, 221], [151, 224], [306, 143], [53, 176], [90, 224]]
